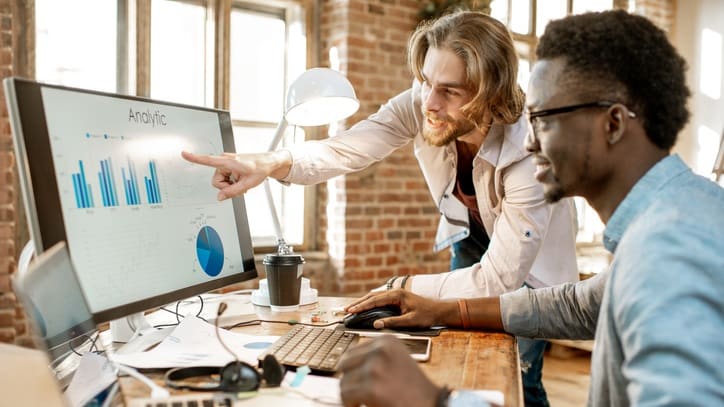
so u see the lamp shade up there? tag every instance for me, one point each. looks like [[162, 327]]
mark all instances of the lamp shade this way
[[320, 96]]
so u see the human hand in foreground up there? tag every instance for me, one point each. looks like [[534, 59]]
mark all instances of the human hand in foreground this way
[[416, 311], [382, 373], [237, 173]]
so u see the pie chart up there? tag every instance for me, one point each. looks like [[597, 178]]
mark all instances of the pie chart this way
[[210, 251]]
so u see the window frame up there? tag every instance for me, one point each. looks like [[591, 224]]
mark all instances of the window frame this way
[[133, 74], [587, 235]]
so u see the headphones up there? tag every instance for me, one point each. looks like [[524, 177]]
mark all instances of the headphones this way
[[236, 377]]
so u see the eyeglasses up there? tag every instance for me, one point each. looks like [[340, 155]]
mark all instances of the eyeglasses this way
[[533, 116]]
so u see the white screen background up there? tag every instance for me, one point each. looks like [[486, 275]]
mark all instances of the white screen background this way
[[126, 253]]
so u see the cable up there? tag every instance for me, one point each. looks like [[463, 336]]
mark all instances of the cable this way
[[289, 322], [92, 346], [179, 316], [156, 390], [327, 400], [222, 308]]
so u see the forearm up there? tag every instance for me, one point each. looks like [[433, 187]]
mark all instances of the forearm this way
[[568, 311], [280, 163], [483, 313]]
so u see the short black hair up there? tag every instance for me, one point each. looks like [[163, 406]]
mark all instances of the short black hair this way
[[617, 54]]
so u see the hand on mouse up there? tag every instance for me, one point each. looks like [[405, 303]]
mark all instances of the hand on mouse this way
[[417, 311], [381, 373]]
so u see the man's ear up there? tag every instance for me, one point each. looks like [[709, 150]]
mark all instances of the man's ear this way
[[615, 124]]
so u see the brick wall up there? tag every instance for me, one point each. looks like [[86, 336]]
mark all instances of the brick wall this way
[[11, 321], [381, 221], [661, 12]]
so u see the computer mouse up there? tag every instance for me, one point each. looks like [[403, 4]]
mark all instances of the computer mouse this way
[[365, 319]]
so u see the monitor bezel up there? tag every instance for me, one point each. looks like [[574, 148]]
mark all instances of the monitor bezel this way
[[41, 197]]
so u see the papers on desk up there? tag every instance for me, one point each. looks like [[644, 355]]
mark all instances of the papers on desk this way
[[313, 391], [93, 375], [193, 343]]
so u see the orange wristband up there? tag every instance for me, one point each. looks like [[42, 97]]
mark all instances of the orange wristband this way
[[464, 316]]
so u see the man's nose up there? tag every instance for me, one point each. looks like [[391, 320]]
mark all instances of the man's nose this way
[[431, 101], [531, 141]]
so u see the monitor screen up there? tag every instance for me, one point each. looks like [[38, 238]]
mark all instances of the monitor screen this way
[[104, 173]]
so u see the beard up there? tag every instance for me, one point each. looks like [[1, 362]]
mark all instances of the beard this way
[[553, 192], [448, 133]]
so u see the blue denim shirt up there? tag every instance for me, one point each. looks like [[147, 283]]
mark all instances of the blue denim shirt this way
[[660, 325]]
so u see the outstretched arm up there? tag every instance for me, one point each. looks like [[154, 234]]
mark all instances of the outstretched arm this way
[[237, 173]]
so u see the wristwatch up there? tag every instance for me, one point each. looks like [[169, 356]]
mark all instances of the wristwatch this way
[[462, 398]]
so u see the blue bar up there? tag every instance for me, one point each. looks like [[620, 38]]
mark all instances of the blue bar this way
[[90, 195], [76, 189], [154, 180], [84, 191], [125, 185], [106, 182], [149, 191], [101, 181], [112, 201], [134, 183], [150, 182], [112, 182]]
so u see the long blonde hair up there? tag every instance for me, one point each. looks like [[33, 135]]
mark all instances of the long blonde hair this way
[[486, 46]]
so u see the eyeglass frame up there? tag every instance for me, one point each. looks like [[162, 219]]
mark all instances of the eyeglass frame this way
[[572, 108]]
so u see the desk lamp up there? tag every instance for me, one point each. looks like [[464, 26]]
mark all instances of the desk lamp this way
[[319, 96]]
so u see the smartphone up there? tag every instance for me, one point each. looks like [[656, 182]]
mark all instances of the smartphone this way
[[418, 347]]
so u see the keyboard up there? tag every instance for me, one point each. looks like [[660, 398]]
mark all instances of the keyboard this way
[[185, 400], [318, 348]]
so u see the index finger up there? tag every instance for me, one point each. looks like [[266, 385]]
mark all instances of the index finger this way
[[207, 160]]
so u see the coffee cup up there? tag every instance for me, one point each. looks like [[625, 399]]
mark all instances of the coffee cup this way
[[284, 280]]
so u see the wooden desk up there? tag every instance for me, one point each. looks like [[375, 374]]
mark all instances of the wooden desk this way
[[458, 359]]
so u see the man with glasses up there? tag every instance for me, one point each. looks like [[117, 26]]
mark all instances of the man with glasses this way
[[606, 100], [464, 116]]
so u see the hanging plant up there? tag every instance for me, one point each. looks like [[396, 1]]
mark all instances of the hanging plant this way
[[435, 8]]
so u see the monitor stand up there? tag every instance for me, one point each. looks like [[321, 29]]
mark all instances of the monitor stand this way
[[137, 333]]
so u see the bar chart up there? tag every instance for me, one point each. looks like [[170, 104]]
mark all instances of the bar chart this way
[[109, 195], [82, 189], [152, 188], [107, 184]]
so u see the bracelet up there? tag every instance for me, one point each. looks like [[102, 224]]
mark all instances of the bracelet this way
[[390, 282], [404, 281], [442, 396], [463, 306]]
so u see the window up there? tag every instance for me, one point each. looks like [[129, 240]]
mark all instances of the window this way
[[527, 20], [229, 54], [74, 50], [256, 105]]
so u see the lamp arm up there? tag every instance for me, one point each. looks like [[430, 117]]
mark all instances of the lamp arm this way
[[278, 133], [282, 247]]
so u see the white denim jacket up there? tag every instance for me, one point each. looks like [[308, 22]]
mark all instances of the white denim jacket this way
[[530, 241]]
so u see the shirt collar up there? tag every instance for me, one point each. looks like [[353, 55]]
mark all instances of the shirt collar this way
[[639, 198]]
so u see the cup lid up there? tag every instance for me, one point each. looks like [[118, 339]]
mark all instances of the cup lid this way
[[276, 259]]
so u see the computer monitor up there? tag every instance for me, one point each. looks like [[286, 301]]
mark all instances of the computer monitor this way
[[104, 173]]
